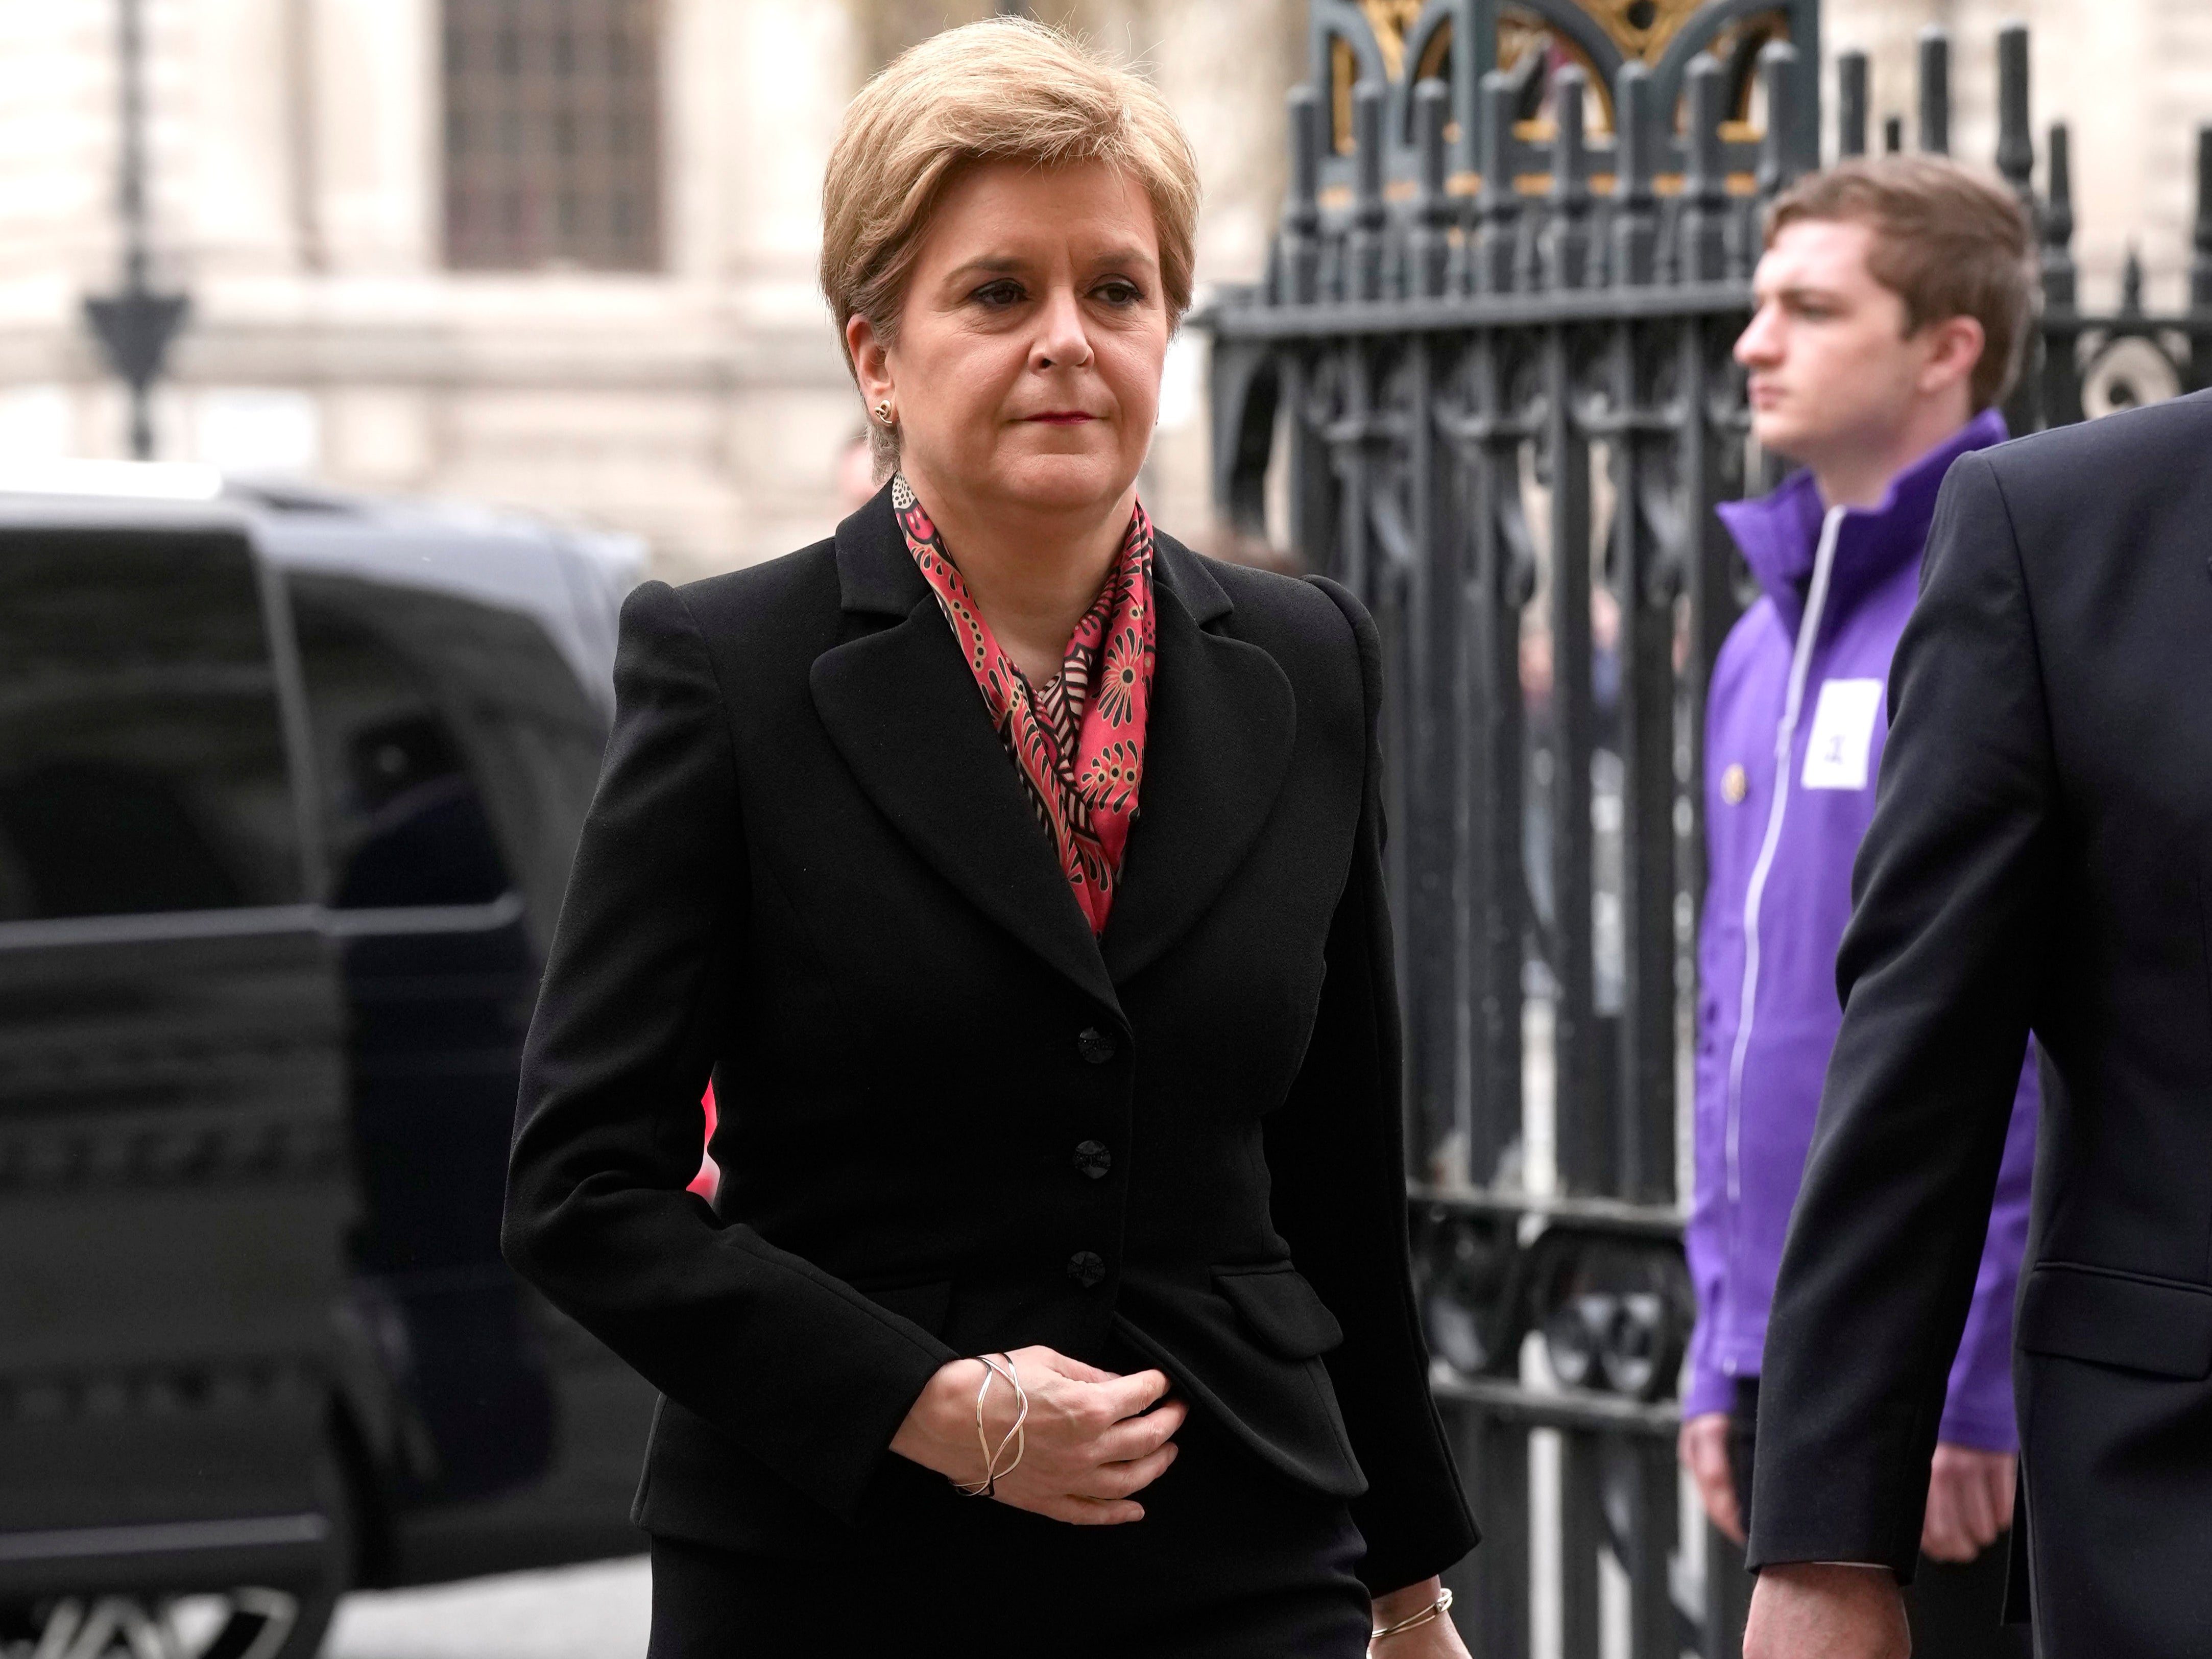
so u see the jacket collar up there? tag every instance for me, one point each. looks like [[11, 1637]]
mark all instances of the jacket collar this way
[[1216, 749], [1779, 533], [900, 707]]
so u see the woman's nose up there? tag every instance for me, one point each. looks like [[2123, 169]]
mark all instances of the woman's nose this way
[[1061, 341]]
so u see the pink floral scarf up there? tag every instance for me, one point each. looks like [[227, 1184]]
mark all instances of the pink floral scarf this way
[[1078, 741]]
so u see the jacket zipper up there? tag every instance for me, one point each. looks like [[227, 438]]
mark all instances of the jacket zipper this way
[[1785, 741]]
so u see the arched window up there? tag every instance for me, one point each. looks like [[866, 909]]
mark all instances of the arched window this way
[[552, 134]]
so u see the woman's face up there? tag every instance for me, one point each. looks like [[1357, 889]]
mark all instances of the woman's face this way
[[1027, 367]]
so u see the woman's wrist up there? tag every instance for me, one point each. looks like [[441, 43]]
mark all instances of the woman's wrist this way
[[939, 1429], [1393, 1605]]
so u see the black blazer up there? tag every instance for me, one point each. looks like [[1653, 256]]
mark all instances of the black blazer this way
[[2040, 857], [951, 1121]]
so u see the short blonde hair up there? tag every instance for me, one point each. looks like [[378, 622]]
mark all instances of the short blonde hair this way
[[1008, 88]]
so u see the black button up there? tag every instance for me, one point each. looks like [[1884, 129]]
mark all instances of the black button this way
[[1092, 1158], [1094, 1045], [1086, 1267]]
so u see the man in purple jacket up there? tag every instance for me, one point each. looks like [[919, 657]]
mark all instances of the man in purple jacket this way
[[1892, 300]]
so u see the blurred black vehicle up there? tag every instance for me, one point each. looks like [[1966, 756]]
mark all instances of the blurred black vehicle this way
[[288, 789]]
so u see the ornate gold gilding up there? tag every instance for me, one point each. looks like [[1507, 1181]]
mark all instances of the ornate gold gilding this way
[[1392, 21], [1517, 33], [1641, 28]]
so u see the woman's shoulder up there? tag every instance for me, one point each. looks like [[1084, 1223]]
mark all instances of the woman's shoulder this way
[[1310, 607], [1312, 626], [780, 613], [768, 597]]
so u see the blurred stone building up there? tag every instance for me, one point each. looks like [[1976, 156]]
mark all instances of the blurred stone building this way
[[560, 253]]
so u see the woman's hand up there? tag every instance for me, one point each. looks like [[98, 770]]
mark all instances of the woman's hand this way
[[1093, 1440], [1437, 1639]]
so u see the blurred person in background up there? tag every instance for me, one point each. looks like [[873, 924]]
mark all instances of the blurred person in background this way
[[1055, 1296], [857, 481], [1894, 299]]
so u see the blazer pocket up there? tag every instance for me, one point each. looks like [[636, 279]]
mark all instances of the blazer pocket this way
[[1279, 1308], [2107, 1317], [926, 1304]]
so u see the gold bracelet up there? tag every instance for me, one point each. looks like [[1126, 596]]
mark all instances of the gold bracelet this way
[[1435, 1609], [1018, 1434], [1014, 1437]]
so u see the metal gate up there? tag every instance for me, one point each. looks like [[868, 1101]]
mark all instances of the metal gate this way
[[1487, 384]]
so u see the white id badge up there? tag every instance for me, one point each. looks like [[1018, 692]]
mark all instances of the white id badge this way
[[1842, 734]]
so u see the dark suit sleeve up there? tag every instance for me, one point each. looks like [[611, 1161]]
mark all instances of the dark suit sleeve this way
[[1336, 1158], [1938, 972], [800, 1368]]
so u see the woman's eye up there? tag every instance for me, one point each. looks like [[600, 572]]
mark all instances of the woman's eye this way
[[999, 294], [1118, 293]]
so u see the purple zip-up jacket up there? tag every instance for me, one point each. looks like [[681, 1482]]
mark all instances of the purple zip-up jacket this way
[[1779, 895]]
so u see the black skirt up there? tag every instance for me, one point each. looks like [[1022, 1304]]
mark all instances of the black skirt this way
[[1231, 1561]]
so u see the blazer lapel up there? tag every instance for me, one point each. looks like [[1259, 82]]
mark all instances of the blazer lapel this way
[[1217, 747], [902, 708]]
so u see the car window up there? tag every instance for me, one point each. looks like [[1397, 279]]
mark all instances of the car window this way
[[456, 752], [142, 752]]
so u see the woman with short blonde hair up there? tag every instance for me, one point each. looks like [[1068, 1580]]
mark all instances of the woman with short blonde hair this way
[[1011, 91], [1015, 873]]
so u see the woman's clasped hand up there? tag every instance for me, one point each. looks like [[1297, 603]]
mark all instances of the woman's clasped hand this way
[[1091, 1443]]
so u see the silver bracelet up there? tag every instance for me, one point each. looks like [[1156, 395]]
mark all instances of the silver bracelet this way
[[1435, 1609], [1016, 1436]]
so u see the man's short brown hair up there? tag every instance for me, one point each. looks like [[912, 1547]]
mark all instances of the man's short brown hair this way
[[1946, 241]]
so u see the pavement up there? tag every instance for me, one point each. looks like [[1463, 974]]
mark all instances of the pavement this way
[[601, 1611]]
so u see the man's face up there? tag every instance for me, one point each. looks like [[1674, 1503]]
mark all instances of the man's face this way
[[1833, 371]]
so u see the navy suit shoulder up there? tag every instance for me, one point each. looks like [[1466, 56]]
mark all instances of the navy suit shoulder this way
[[2129, 442], [2040, 858]]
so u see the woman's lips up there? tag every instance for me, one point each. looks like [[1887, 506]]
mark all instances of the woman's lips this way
[[1061, 417]]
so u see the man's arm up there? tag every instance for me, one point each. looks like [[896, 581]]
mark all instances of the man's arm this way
[[1708, 1392], [1978, 1408], [1938, 972]]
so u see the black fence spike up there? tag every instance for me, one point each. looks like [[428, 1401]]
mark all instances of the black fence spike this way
[[1850, 104], [2200, 264], [2059, 286], [1635, 225], [1935, 91], [1429, 245], [1364, 248], [1778, 73], [1301, 262], [2015, 138], [1498, 226], [1703, 217], [1566, 232]]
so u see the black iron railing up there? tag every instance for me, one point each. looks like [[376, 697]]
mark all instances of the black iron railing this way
[[1487, 383]]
